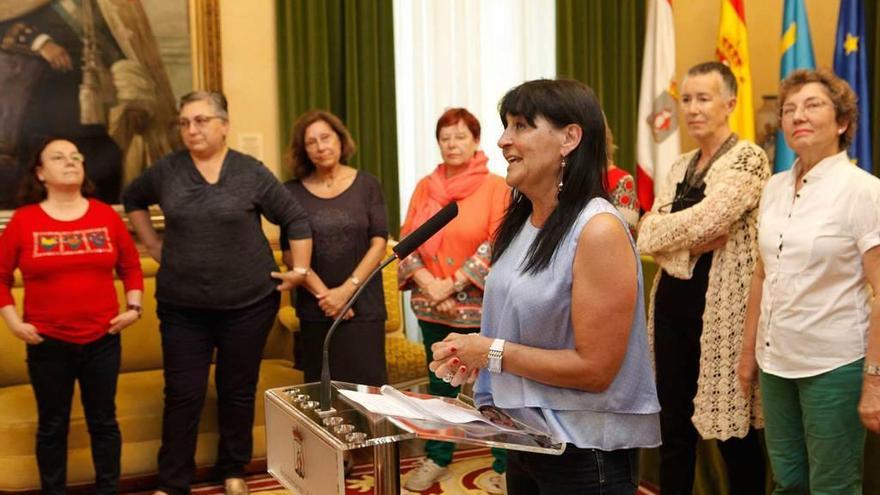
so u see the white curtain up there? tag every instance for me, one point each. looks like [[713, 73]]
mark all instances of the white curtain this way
[[462, 53]]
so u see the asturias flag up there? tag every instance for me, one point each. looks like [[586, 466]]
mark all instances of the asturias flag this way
[[850, 60], [657, 142], [797, 53], [733, 50]]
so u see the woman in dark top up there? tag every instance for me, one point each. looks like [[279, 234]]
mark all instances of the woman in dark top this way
[[213, 286], [350, 230]]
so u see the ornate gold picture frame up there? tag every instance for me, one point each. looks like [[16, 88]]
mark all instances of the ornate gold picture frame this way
[[203, 23]]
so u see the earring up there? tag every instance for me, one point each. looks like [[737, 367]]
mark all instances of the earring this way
[[562, 164]]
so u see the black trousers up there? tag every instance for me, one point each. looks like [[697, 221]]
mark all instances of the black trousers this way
[[576, 472], [677, 358], [54, 366], [189, 338], [357, 351]]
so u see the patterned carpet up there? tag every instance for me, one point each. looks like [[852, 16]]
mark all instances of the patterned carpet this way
[[467, 476]]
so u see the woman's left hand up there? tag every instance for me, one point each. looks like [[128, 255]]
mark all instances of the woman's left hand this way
[[447, 307], [459, 356], [869, 405], [332, 301], [123, 320]]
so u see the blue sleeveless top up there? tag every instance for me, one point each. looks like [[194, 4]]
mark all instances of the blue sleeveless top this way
[[535, 310]]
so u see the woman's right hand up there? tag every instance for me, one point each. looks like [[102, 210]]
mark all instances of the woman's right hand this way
[[708, 246], [746, 371], [26, 332], [439, 289]]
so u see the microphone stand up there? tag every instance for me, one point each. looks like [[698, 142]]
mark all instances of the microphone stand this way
[[325, 362], [401, 251]]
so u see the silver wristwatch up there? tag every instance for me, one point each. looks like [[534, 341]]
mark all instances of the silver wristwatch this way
[[496, 353], [870, 369]]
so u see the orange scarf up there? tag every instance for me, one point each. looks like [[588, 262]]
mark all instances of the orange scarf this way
[[442, 190]]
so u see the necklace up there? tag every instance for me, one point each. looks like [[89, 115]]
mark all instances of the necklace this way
[[695, 180], [328, 180]]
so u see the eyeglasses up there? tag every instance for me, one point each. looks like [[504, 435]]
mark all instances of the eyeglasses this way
[[810, 107], [324, 139], [74, 157], [200, 121]]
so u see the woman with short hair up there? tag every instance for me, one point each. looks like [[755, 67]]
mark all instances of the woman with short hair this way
[[812, 336], [215, 284], [701, 233], [447, 273]]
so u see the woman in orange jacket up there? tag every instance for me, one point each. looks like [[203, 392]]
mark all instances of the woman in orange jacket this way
[[447, 273]]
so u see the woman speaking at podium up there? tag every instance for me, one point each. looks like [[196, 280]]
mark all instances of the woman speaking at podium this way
[[563, 332]]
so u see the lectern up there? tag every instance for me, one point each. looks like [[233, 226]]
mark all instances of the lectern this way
[[305, 445]]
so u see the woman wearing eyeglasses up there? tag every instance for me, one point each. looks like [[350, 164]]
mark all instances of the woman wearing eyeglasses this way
[[812, 335], [67, 247], [701, 232], [215, 287]]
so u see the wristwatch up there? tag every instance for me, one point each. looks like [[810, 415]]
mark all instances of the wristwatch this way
[[354, 280], [136, 307], [872, 369], [300, 271], [496, 353]]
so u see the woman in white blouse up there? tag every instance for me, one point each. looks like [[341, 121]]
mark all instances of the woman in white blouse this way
[[812, 334]]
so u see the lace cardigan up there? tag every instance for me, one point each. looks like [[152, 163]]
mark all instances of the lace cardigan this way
[[733, 191]]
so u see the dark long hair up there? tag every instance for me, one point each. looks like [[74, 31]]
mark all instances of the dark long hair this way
[[31, 190], [560, 102]]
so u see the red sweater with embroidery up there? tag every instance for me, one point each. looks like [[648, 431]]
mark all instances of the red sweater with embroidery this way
[[67, 268]]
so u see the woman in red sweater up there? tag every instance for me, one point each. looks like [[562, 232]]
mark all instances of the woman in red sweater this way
[[67, 247]]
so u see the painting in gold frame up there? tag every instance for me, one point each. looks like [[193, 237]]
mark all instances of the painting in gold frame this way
[[126, 65]]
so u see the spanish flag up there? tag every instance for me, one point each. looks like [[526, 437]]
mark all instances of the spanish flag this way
[[733, 50]]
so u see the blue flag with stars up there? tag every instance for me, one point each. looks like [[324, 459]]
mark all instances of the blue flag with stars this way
[[797, 53], [850, 63]]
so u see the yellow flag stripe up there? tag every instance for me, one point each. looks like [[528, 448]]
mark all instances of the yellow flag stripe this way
[[789, 38], [733, 48]]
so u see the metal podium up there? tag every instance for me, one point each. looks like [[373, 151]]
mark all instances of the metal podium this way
[[305, 446]]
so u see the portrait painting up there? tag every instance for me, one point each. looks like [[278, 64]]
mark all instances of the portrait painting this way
[[104, 74]]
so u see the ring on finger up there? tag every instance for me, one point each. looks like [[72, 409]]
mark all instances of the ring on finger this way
[[448, 376]]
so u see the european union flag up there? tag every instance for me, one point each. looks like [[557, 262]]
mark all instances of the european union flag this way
[[850, 61], [797, 53]]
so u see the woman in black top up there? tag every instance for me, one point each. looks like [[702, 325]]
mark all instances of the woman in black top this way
[[350, 229], [215, 284]]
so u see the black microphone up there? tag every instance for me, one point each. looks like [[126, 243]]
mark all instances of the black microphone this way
[[425, 231], [403, 249]]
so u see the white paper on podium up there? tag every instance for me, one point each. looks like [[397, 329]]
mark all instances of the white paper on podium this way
[[392, 402]]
